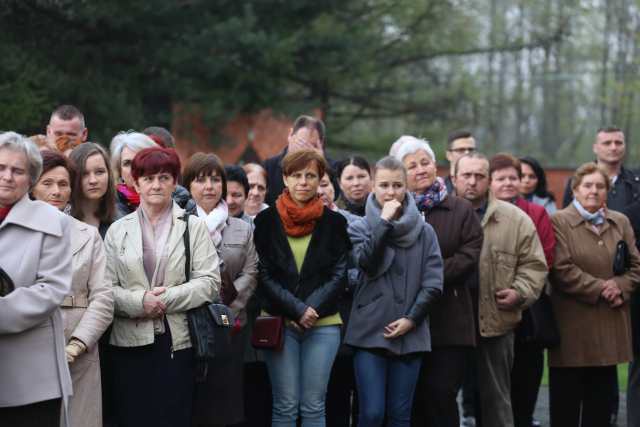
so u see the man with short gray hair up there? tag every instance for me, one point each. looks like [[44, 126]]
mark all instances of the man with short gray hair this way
[[66, 128]]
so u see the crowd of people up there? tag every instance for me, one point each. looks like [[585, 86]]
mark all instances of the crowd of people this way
[[390, 291]]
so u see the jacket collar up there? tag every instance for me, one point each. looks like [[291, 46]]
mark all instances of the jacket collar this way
[[80, 235], [35, 215], [493, 211], [134, 230], [575, 219]]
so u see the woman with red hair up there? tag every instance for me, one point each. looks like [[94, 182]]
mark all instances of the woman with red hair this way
[[153, 365]]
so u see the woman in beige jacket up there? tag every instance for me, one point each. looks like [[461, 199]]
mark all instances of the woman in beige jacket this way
[[590, 302], [87, 310], [219, 400], [153, 363]]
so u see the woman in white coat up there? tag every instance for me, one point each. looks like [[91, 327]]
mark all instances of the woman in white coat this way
[[34, 252], [88, 309]]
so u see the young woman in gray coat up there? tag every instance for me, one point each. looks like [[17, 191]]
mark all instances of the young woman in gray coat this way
[[400, 257]]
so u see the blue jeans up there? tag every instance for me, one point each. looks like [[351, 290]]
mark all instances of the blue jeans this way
[[386, 383], [300, 374]]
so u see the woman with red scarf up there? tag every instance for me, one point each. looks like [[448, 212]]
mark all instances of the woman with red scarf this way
[[124, 147], [302, 247]]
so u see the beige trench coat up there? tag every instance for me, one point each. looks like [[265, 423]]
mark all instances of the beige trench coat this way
[[87, 312], [34, 251], [125, 271], [591, 333]]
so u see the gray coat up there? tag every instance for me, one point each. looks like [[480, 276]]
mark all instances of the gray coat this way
[[35, 252], [403, 277]]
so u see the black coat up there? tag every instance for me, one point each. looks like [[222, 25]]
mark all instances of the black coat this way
[[633, 213], [322, 278]]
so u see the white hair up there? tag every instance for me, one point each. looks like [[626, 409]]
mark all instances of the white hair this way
[[134, 141], [406, 145], [16, 142]]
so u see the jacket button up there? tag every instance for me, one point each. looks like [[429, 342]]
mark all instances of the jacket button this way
[[600, 242]]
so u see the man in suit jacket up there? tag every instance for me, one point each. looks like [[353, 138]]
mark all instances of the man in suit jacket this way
[[307, 132]]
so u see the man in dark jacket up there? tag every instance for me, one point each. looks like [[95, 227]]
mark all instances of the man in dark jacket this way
[[610, 149], [307, 132]]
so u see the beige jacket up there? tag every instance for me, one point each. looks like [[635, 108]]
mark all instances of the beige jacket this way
[[87, 312], [591, 333], [240, 263], [511, 257], [125, 271]]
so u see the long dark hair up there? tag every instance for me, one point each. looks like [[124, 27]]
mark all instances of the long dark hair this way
[[541, 188], [107, 208]]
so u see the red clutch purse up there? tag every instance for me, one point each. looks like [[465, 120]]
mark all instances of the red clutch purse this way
[[268, 333]]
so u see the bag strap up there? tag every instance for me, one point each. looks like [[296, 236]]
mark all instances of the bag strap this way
[[187, 248]]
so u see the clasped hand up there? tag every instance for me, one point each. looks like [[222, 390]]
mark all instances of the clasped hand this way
[[152, 303], [398, 328], [612, 294]]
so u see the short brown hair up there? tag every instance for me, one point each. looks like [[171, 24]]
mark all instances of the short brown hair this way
[[299, 160], [204, 164], [588, 169], [311, 123], [68, 112], [504, 161]]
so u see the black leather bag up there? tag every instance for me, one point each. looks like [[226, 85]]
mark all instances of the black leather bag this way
[[210, 325], [622, 259], [538, 325], [6, 284]]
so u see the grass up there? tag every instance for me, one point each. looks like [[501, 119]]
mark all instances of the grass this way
[[623, 370]]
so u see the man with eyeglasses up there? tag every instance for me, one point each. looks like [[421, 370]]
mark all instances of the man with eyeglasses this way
[[459, 143]]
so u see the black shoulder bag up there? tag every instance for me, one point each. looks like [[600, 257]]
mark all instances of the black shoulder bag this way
[[6, 284], [210, 324], [622, 259]]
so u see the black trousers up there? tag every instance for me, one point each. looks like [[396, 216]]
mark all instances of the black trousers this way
[[470, 400], [441, 376], [581, 397], [526, 375], [342, 386], [153, 387], [41, 414], [257, 396]]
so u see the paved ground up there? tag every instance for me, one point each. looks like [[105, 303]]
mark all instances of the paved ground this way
[[542, 408]]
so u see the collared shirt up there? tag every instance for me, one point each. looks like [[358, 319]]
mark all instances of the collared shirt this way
[[482, 209]]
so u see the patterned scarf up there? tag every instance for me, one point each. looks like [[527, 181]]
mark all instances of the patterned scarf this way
[[132, 196], [298, 221], [432, 196], [595, 218]]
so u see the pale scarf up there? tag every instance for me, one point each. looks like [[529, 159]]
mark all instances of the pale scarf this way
[[216, 220], [155, 255]]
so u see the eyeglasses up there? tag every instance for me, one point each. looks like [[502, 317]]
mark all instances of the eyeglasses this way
[[463, 150]]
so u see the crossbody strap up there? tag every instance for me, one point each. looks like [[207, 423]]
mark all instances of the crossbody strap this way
[[187, 248]]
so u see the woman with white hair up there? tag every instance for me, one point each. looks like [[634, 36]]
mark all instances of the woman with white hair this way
[[35, 277], [452, 320], [124, 147]]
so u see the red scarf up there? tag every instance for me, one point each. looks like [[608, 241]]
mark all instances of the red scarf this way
[[298, 221], [132, 196], [4, 212]]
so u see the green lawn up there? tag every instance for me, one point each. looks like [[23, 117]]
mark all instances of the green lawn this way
[[623, 370]]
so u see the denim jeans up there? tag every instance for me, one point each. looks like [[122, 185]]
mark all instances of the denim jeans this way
[[300, 374], [386, 384]]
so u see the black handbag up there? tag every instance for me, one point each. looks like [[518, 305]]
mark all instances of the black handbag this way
[[6, 284], [210, 325], [538, 325], [622, 259]]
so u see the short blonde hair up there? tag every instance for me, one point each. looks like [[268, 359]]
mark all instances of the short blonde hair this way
[[588, 169]]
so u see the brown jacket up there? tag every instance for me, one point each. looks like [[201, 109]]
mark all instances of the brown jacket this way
[[460, 238], [511, 258], [591, 333]]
